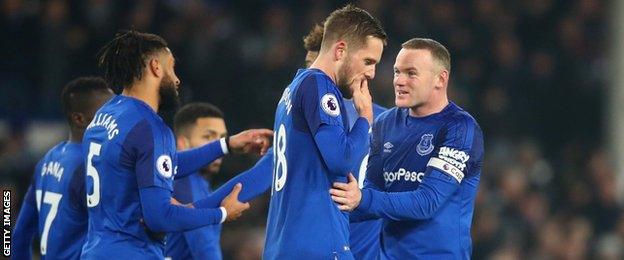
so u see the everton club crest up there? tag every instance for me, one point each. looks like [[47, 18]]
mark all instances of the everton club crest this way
[[426, 145]]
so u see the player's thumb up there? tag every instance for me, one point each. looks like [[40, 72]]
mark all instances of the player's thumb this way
[[352, 178], [236, 190]]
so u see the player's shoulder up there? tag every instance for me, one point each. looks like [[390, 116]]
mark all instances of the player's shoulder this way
[[378, 109], [127, 114], [388, 114], [460, 119], [51, 154], [56, 149], [315, 81]]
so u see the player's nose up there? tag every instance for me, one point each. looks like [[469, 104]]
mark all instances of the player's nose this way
[[399, 80], [369, 74]]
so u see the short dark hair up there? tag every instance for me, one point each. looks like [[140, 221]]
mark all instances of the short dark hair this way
[[312, 41], [188, 115], [123, 58], [438, 51], [353, 25], [77, 96]]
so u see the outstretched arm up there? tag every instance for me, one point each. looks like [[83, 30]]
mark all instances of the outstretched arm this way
[[255, 181], [249, 141]]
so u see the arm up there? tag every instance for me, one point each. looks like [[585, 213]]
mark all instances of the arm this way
[[190, 161], [254, 140], [341, 150], [255, 181], [422, 203], [318, 101], [26, 227], [459, 152], [153, 165], [162, 216]]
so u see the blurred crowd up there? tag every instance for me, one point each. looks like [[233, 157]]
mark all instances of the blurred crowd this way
[[533, 73]]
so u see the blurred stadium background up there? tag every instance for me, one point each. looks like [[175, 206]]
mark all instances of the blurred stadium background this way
[[536, 74]]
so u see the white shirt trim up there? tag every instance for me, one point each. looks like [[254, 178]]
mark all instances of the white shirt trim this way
[[223, 214], [224, 147]]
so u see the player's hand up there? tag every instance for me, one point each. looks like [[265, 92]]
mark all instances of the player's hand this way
[[362, 100], [251, 141], [232, 205], [346, 195]]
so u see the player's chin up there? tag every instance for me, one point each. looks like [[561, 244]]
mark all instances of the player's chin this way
[[401, 102]]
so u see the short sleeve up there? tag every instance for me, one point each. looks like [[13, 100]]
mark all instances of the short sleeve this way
[[320, 102], [150, 150], [459, 149]]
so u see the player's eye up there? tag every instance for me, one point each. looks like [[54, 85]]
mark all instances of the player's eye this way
[[412, 73], [369, 62], [396, 72]]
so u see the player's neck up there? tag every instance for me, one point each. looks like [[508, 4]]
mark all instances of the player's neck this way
[[75, 135], [326, 66], [142, 92], [429, 108]]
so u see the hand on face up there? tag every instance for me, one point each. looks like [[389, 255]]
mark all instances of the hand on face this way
[[362, 99]]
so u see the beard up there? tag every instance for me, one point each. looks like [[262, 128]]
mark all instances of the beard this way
[[344, 80], [168, 96]]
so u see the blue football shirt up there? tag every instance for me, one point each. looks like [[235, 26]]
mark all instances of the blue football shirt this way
[[126, 147], [59, 194], [303, 221], [365, 235], [428, 170], [200, 243]]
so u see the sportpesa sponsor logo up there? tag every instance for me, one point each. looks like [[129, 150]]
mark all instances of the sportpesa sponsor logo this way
[[403, 175], [453, 156]]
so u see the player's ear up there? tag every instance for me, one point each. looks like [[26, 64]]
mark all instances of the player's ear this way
[[155, 67], [340, 50], [79, 119], [443, 78]]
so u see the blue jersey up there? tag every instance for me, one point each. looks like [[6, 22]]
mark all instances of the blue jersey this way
[[58, 186], [365, 235], [126, 147], [428, 170], [201, 243], [303, 221]]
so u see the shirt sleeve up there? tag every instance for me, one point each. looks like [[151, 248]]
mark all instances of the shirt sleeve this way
[[320, 106], [162, 216], [319, 103], [151, 154], [191, 161], [460, 148], [256, 181], [26, 226]]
